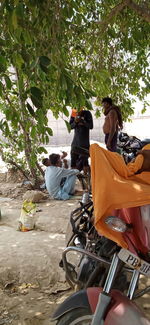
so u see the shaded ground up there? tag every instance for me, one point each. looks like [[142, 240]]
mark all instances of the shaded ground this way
[[31, 283]]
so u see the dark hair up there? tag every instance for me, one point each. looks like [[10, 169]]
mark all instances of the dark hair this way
[[54, 157], [107, 100], [45, 161]]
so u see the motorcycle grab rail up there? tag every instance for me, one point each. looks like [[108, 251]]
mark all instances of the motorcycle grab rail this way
[[87, 253]]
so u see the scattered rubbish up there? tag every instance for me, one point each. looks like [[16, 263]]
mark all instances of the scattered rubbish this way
[[28, 216], [9, 285], [58, 288], [25, 182], [43, 186]]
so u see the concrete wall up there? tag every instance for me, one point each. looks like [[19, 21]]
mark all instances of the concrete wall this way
[[61, 136], [140, 127]]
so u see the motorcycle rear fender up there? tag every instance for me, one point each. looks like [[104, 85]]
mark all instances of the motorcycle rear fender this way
[[77, 300], [121, 310]]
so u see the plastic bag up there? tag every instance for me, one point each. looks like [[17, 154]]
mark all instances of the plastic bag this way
[[27, 217]]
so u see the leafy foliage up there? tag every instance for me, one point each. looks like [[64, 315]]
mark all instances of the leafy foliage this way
[[56, 54]]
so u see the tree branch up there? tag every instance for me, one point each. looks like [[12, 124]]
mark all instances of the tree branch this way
[[13, 163], [142, 10], [40, 169], [114, 12]]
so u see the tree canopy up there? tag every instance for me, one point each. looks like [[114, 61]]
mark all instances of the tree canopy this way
[[60, 53]]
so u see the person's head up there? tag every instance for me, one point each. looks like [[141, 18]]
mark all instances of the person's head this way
[[46, 162], [55, 160], [107, 103]]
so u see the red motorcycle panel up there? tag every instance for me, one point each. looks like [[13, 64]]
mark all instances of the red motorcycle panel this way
[[121, 310]]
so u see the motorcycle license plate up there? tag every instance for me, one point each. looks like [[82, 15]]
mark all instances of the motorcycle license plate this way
[[134, 261]]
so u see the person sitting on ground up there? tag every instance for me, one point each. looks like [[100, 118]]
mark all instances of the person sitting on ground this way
[[46, 161], [64, 163], [57, 187]]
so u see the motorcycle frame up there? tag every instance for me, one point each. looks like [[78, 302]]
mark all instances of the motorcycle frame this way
[[104, 297]]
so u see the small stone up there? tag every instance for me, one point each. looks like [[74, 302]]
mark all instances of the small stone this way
[[34, 196]]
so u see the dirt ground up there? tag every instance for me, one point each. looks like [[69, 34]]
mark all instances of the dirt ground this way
[[31, 282]]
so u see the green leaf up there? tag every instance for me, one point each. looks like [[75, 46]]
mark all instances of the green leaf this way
[[44, 68], [65, 111], [44, 60], [143, 110], [63, 82], [49, 131], [104, 74], [80, 96], [97, 113], [46, 139], [19, 10], [30, 109], [6, 128], [15, 123], [33, 132], [3, 64], [68, 126], [8, 81], [41, 150], [18, 60], [2, 42], [88, 104], [2, 60], [36, 102], [1, 89], [14, 19], [112, 32], [27, 37], [36, 92], [36, 97], [90, 93]]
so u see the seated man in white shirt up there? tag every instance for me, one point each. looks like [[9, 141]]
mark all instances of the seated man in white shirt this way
[[60, 182]]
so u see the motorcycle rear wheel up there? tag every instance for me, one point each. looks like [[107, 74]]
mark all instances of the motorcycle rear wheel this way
[[79, 316]]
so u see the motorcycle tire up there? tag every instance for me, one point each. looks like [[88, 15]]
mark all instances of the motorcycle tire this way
[[78, 316]]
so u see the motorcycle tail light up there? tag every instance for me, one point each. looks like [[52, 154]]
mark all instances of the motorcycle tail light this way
[[116, 224]]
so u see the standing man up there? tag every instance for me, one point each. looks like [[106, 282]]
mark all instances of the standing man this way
[[113, 121], [81, 122]]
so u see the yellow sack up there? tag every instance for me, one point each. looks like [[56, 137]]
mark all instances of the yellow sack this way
[[28, 216]]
